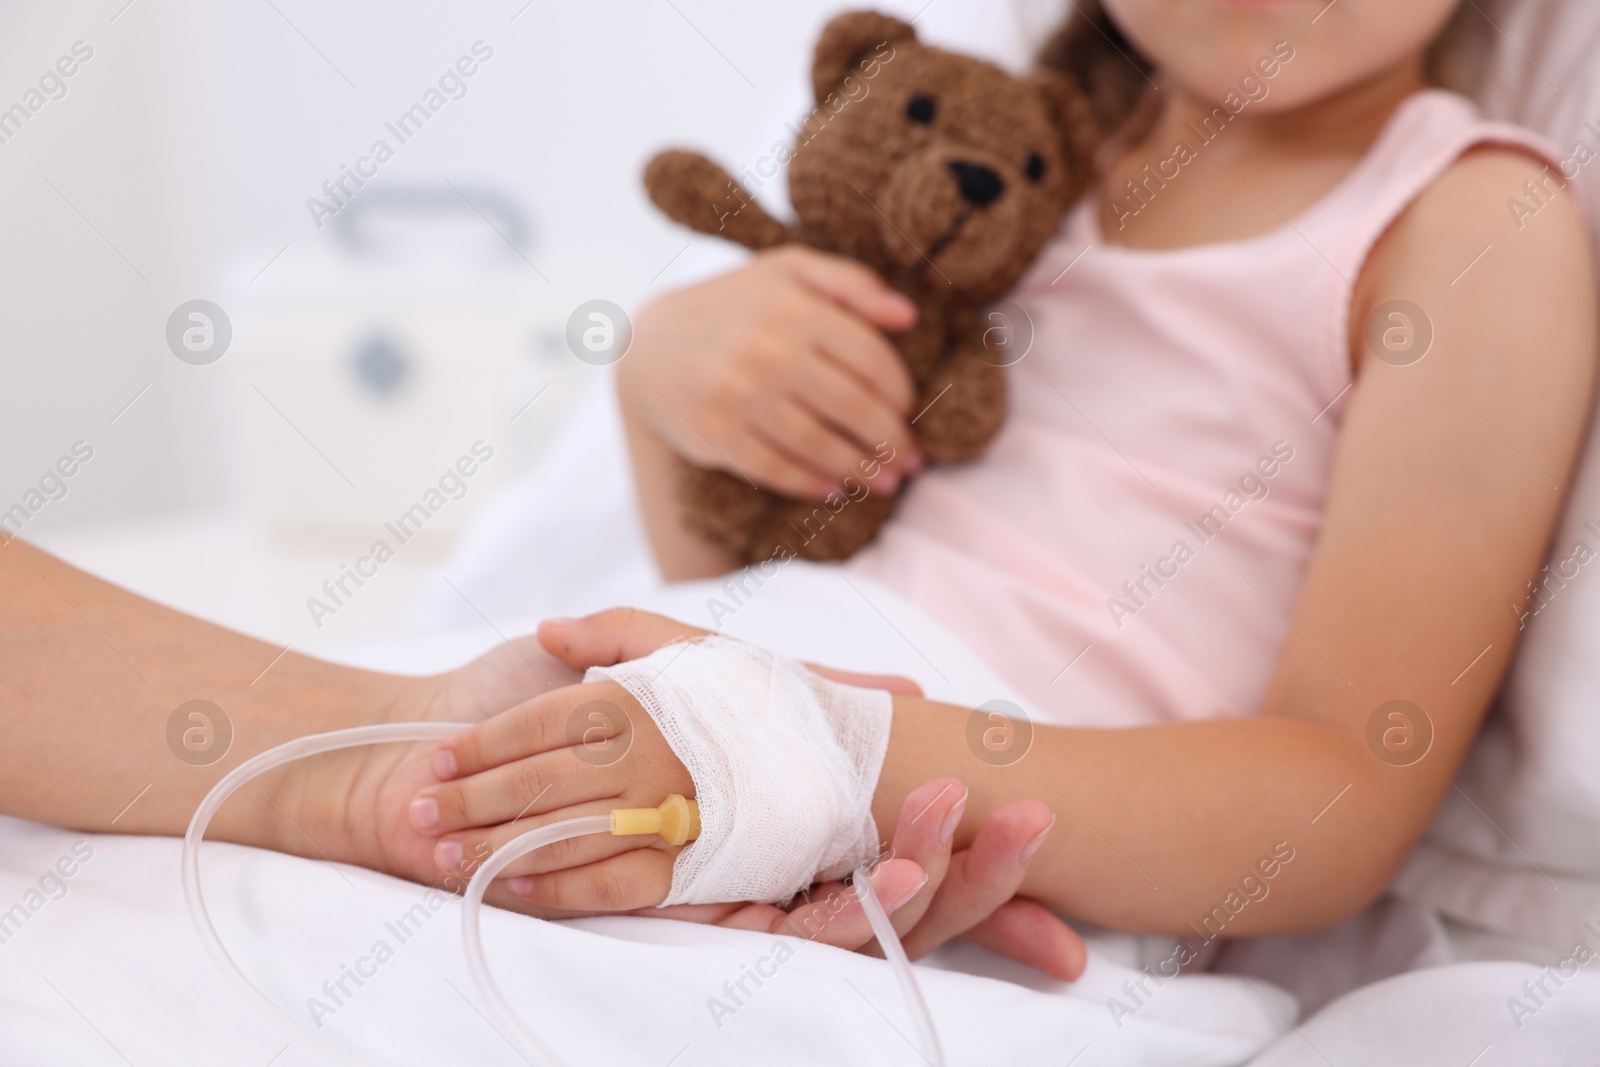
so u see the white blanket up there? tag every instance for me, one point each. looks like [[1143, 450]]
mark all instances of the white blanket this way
[[111, 970], [103, 967]]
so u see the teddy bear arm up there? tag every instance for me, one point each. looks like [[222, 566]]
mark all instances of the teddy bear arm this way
[[697, 192]]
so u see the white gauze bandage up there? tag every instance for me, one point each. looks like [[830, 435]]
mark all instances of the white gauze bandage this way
[[784, 764]]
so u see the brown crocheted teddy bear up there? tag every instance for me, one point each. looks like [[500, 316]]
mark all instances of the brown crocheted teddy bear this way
[[944, 174]]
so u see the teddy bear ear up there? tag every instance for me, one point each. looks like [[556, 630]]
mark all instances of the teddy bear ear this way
[[1074, 117], [849, 38]]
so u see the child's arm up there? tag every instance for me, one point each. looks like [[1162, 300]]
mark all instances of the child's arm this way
[[1449, 478], [1447, 484]]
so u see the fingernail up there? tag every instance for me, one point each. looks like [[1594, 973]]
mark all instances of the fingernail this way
[[1033, 843], [444, 764], [899, 902], [560, 620], [521, 886], [447, 854], [891, 481], [424, 813], [947, 829]]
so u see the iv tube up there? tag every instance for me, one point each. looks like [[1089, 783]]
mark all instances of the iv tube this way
[[511, 1023], [310, 745]]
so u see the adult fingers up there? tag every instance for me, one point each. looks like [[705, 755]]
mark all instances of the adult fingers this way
[[618, 634], [983, 878], [1031, 933], [832, 913], [705, 914], [927, 825], [610, 637], [849, 284], [503, 677]]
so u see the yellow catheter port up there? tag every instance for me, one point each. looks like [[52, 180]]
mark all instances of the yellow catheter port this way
[[677, 820]]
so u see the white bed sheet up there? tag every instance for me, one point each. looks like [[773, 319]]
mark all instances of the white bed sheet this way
[[112, 972]]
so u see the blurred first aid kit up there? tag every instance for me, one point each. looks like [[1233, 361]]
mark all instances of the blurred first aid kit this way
[[416, 337]]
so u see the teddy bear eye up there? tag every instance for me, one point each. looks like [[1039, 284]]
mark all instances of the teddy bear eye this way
[[1035, 168], [920, 108]]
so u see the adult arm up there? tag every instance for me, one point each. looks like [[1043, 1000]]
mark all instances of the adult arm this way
[[91, 674]]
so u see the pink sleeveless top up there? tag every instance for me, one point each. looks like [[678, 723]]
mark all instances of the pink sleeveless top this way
[[1130, 547]]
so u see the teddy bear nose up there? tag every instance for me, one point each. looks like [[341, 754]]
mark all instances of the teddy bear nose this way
[[979, 184]]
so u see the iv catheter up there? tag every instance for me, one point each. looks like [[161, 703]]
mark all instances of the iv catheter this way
[[676, 821]]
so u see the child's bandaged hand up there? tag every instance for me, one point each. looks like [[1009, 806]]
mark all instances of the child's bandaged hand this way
[[579, 750], [571, 753], [782, 761]]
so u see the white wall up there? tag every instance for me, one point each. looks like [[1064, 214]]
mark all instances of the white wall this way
[[192, 138]]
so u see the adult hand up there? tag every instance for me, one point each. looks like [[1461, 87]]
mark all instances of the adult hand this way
[[931, 895]]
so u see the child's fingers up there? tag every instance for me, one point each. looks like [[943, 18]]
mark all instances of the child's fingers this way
[[639, 878], [774, 465], [549, 781], [862, 414], [462, 853], [581, 714], [810, 441], [865, 354], [851, 285]]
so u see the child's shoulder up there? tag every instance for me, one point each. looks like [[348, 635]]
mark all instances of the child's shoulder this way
[[1508, 183], [1440, 164], [1498, 233]]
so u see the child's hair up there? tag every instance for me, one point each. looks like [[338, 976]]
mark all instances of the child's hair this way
[[1090, 47]]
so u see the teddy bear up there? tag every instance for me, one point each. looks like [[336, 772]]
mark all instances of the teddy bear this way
[[944, 174]]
